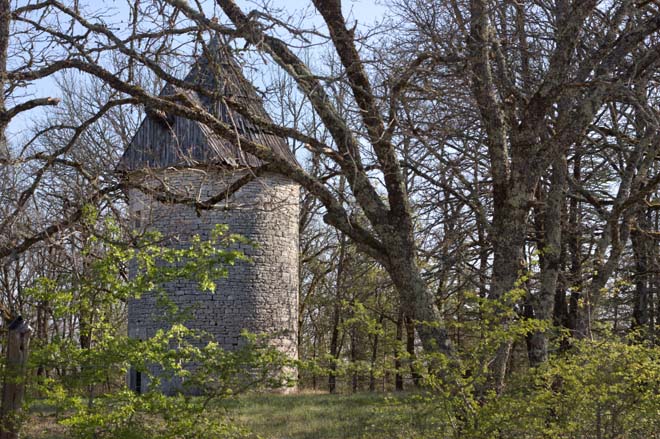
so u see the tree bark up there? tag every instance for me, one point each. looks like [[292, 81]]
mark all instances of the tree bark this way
[[389, 236], [642, 246], [417, 300], [335, 342], [354, 354], [410, 347], [13, 391], [398, 377], [335, 349], [543, 302], [511, 210], [374, 356], [5, 20]]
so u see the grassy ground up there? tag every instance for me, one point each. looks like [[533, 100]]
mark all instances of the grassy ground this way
[[303, 416], [298, 416]]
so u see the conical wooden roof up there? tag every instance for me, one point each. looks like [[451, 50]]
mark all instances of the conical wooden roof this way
[[171, 141]]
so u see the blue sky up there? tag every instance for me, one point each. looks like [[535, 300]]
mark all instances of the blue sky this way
[[366, 12]]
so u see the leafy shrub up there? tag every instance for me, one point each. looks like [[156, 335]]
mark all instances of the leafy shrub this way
[[86, 385]]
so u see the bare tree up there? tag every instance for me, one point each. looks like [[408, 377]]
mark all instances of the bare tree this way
[[528, 82]]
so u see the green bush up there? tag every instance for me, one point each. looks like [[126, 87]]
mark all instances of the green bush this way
[[86, 385], [601, 389], [122, 413]]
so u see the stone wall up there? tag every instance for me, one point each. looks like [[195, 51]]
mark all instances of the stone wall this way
[[261, 295]]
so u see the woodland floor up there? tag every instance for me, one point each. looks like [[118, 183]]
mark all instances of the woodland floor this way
[[300, 416], [303, 416]]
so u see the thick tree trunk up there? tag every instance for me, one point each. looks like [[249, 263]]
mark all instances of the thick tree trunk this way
[[417, 299], [560, 309], [575, 319], [543, 302], [512, 202], [642, 247], [509, 233], [13, 390]]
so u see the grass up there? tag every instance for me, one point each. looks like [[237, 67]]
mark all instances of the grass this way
[[297, 416], [303, 416]]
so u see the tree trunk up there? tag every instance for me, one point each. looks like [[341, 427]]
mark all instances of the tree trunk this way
[[398, 378], [374, 357], [18, 341], [334, 351], [417, 300], [42, 330], [575, 320], [5, 20], [509, 233], [642, 250], [355, 377], [335, 343], [314, 356], [410, 347], [543, 303]]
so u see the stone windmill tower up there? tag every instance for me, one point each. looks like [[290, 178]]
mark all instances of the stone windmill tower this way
[[186, 157]]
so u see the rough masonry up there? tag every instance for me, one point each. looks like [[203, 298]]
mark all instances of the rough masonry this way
[[260, 296]]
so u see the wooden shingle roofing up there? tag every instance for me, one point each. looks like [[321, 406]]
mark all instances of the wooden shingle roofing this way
[[164, 141]]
